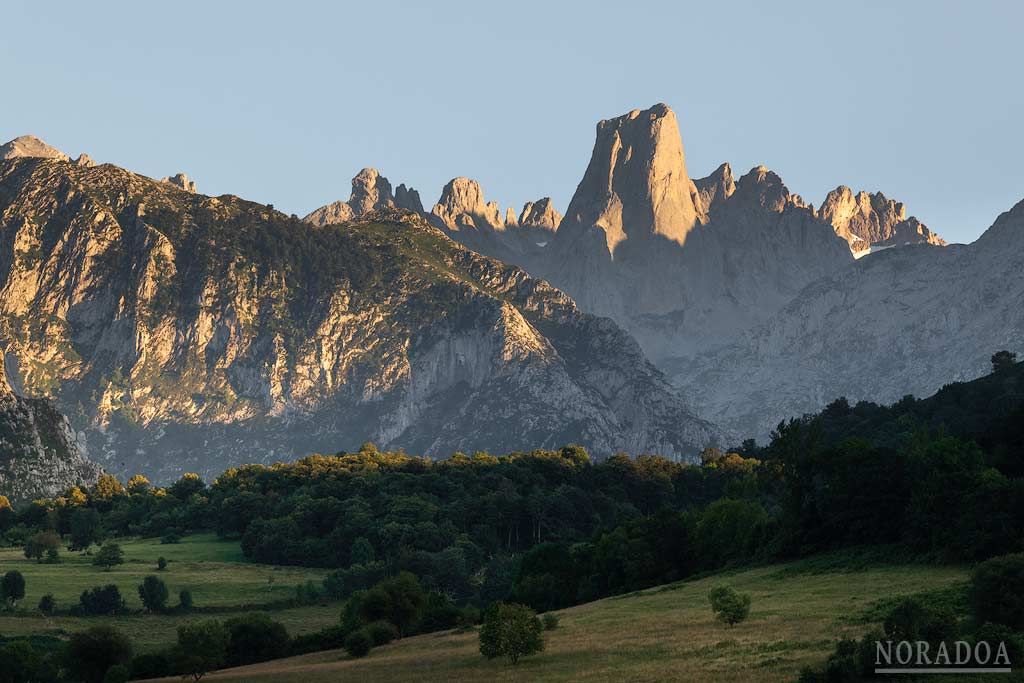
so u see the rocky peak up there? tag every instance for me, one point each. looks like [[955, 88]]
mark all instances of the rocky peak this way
[[636, 185], [462, 206], [30, 146], [867, 220], [85, 161], [540, 214], [715, 188], [370, 192], [764, 187], [181, 181], [408, 198]]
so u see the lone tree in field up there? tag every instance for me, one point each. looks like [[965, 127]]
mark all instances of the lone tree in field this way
[[1003, 360], [86, 528], [109, 556], [511, 631], [12, 587], [153, 593], [728, 605]]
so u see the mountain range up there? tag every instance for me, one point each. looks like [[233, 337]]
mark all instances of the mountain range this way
[[182, 332], [661, 313]]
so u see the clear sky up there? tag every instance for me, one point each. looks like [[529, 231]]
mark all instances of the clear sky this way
[[283, 102]]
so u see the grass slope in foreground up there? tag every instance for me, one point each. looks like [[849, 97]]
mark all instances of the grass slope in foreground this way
[[221, 580], [660, 634]]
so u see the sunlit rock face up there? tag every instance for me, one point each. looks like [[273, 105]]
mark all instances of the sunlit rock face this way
[[40, 455], [872, 221], [182, 332]]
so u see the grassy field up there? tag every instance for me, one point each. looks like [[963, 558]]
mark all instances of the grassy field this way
[[214, 570], [666, 633]]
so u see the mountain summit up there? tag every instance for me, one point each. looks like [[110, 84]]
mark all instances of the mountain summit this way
[[636, 184]]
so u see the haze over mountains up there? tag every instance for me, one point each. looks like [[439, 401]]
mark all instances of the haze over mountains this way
[[184, 332], [724, 280]]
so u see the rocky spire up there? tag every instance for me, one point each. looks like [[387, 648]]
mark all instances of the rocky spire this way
[[370, 192], [872, 220], [540, 214], [462, 206], [715, 188], [181, 181], [636, 185], [408, 198], [31, 146], [762, 186]]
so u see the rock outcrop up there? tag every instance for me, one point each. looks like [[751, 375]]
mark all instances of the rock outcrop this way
[[540, 215], [872, 221], [229, 333], [40, 455], [181, 181], [30, 146], [462, 207], [370, 192]]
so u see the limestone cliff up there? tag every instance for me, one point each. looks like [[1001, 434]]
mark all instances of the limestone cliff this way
[[186, 332], [40, 455]]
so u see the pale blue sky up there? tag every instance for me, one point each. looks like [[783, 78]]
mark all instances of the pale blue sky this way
[[284, 102]]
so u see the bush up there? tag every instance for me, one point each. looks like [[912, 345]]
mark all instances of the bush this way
[[185, 600], [153, 593], [728, 605], [116, 674], [170, 538], [202, 647], [550, 621], [358, 643], [52, 556], [993, 634], [37, 545], [152, 665], [381, 632], [12, 587], [997, 591], [110, 555], [255, 638], [511, 631], [398, 600], [19, 662], [90, 654], [102, 600], [161, 564], [439, 614], [47, 604], [325, 639]]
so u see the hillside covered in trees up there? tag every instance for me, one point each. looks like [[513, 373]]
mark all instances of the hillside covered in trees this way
[[939, 479]]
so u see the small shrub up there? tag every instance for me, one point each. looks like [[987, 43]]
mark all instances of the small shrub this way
[[12, 587], [52, 556], [161, 564], [102, 600], [47, 604], [997, 591], [255, 638], [170, 538], [117, 674], [358, 643], [109, 555], [152, 665], [550, 621], [381, 632], [185, 600], [153, 593], [728, 605], [325, 639]]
